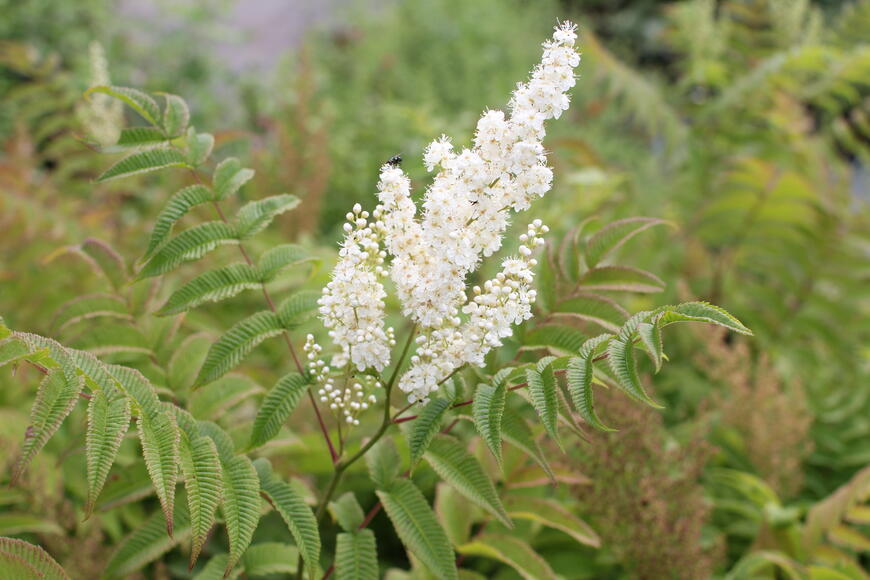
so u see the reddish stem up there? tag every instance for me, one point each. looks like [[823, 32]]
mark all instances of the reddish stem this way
[[296, 362], [323, 428], [370, 516]]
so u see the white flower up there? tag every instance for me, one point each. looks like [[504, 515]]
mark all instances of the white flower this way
[[438, 153]]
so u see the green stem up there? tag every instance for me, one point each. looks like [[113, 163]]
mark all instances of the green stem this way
[[411, 334], [343, 464]]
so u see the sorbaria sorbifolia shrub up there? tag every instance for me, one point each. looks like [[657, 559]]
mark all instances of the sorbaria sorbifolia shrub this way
[[438, 359]]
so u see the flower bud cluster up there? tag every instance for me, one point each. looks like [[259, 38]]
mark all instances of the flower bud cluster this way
[[316, 366], [348, 401], [464, 216], [352, 304]]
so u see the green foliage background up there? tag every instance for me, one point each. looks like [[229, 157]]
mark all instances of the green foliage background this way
[[745, 124]]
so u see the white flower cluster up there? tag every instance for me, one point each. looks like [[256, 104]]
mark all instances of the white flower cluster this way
[[352, 305], [465, 214], [346, 402], [503, 301]]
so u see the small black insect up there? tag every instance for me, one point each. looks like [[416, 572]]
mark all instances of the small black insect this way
[[395, 160]]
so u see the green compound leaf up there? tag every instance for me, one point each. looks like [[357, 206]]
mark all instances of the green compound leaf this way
[[699, 312], [240, 505], [553, 515], [18, 558], [579, 377], [201, 468], [418, 529], [159, 436], [140, 137], [130, 381], [516, 432], [267, 558], [215, 399], [137, 100], [277, 407], [763, 561], [176, 115], [454, 513], [620, 357], [222, 441], [651, 338], [609, 238], [505, 375], [144, 162], [347, 512], [460, 469], [620, 279], [12, 523], [298, 308], [57, 395], [12, 351], [488, 410], [425, 427], [545, 399], [147, 543], [108, 421], [199, 146], [189, 245], [12, 566], [103, 260], [511, 551], [177, 207], [556, 338], [383, 463], [295, 513], [356, 556], [281, 257], [597, 309], [112, 337], [47, 352], [185, 362], [215, 569], [212, 286], [229, 176], [232, 348], [90, 307], [256, 216]]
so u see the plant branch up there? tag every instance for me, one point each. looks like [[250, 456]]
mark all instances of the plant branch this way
[[323, 428], [513, 388], [450, 376], [341, 465], [271, 304], [366, 521], [377, 507], [405, 349]]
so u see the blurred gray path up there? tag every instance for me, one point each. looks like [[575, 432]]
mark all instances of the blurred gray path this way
[[249, 34]]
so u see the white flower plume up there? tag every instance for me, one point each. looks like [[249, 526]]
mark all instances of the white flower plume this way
[[464, 217]]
